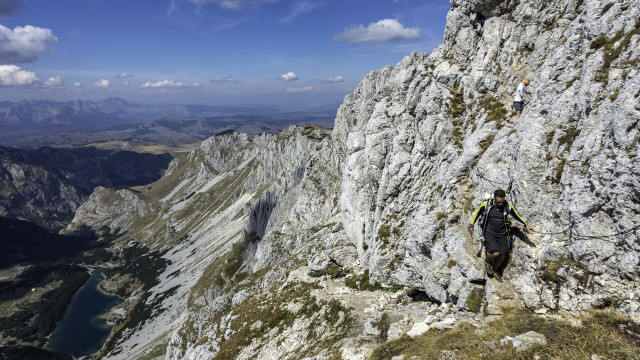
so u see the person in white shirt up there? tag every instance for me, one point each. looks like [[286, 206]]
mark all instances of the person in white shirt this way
[[518, 100]]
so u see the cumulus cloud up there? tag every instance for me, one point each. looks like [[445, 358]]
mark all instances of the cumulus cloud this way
[[54, 81], [164, 91], [124, 75], [125, 84], [385, 30], [337, 79], [77, 85], [290, 76], [23, 44], [9, 7], [227, 79], [169, 83], [102, 84], [11, 75], [296, 90], [234, 4], [299, 8]]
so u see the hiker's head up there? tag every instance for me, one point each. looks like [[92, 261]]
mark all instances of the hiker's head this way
[[499, 196], [525, 81]]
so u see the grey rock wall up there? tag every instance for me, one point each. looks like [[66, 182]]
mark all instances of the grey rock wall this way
[[426, 139]]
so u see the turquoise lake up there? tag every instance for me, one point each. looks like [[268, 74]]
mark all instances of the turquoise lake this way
[[82, 332]]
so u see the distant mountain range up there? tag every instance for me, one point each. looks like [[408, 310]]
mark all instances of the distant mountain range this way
[[33, 118], [177, 130]]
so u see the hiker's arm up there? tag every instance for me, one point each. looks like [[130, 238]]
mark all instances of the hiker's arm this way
[[474, 217], [514, 213]]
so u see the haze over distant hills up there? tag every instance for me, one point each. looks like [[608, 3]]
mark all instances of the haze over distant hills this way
[[31, 118], [178, 130]]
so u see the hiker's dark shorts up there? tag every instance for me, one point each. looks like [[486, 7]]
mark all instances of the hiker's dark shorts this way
[[518, 105], [495, 244]]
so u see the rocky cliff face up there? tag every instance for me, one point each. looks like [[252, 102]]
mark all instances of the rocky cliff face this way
[[427, 139], [388, 196]]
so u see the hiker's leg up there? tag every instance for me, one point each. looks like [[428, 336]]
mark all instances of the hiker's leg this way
[[491, 258], [498, 262], [518, 108]]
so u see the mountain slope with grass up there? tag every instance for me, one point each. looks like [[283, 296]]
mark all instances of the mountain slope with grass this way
[[315, 243]]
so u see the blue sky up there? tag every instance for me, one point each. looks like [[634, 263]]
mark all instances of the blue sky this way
[[291, 54]]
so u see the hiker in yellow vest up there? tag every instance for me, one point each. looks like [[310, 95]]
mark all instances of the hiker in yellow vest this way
[[495, 229]]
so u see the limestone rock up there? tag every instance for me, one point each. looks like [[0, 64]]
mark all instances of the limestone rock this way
[[524, 341]]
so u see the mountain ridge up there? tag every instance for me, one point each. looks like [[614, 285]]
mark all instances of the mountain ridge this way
[[385, 198]]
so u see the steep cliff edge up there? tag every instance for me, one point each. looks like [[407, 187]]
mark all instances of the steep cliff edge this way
[[426, 139], [387, 197]]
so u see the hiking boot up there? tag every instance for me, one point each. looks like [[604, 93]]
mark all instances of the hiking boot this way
[[497, 276], [488, 267]]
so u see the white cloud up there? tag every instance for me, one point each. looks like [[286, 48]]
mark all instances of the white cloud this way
[[290, 76], [337, 79], [102, 84], [53, 81], [23, 44], [77, 85], [169, 83], [125, 84], [11, 75], [227, 79], [299, 8], [234, 4], [124, 75], [164, 91], [8, 7], [296, 90], [385, 30]]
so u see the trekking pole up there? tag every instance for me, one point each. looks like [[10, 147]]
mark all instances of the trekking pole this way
[[478, 254]]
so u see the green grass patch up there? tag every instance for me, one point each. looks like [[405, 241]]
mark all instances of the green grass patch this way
[[496, 110], [456, 112], [332, 270], [271, 310], [468, 204], [458, 107], [600, 334], [570, 82], [484, 144], [606, 8], [383, 325], [569, 136], [475, 300], [611, 50], [549, 271], [558, 172], [550, 135], [362, 282]]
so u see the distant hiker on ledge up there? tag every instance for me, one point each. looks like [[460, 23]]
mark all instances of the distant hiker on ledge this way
[[518, 100], [495, 229]]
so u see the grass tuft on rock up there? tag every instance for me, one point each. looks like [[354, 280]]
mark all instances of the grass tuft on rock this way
[[602, 333]]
